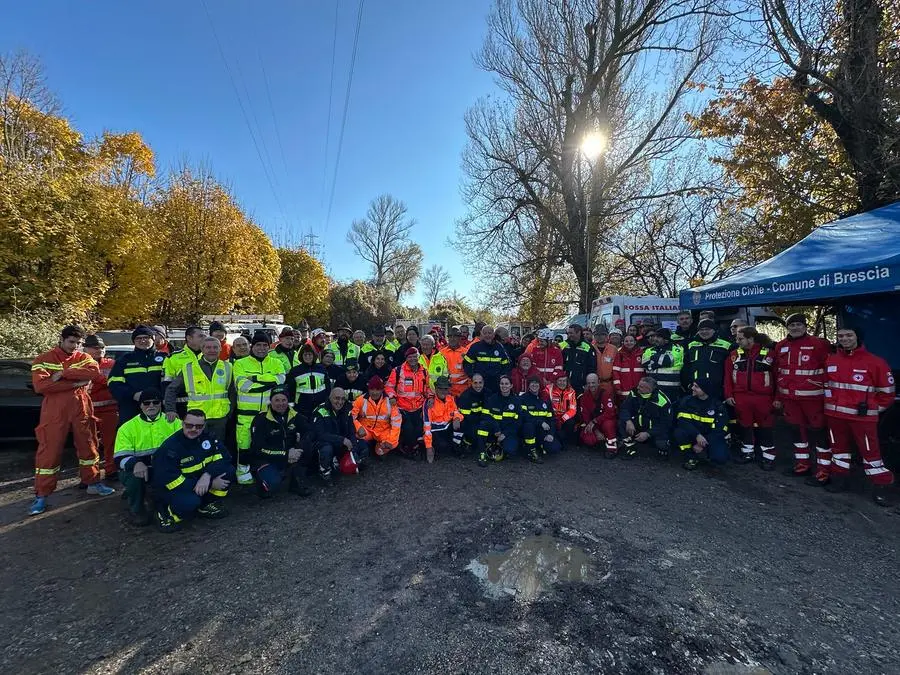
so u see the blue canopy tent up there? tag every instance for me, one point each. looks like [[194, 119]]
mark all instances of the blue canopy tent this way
[[859, 255]]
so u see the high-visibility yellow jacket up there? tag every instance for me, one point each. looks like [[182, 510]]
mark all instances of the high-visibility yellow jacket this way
[[139, 438], [253, 380], [209, 395]]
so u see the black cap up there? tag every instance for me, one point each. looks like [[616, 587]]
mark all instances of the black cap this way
[[664, 333], [150, 395], [280, 389], [443, 382], [351, 364], [378, 331], [216, 325], [259, 336], [454, 332], [704, 383], [796, 317], [94, 341], [142, 330], [706, 323]]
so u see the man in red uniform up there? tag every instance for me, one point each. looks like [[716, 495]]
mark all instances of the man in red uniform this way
[[859, 386], [800, 362], [597, 416], [546, 356], [750, 389], [62, 377], [106, 410]]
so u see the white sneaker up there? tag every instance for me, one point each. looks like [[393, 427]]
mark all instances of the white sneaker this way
[[244, 477]]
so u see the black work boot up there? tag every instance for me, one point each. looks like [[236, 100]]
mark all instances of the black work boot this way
[[535, 457], [884, 495], [838, 483], [139, 519], [327, 479], [768, 465], [299, 487], [820, 479]]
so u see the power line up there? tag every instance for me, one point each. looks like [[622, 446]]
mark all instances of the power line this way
[[337, 161], [272, 110], [243, 109], [337, 6]]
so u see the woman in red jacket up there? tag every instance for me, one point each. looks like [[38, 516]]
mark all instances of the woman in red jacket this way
[[750, 388], [627, 368]]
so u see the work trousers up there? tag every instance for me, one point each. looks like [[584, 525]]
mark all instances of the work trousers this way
[[135, 488], [607, 428], [754, 414], [59, 415], [716, 451], [271, 477], [374, 439], [535, 437], [567, 433], [508, 447], [864, 433], [412, 429], [244, 420], [807, 419], [107, 423], [658, 441], [182, 502], [442, 441], [329, 455]]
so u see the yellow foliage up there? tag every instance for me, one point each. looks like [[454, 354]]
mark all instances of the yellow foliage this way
[[302, 287]]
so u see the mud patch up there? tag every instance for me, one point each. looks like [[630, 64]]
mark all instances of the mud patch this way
[[530, 567]]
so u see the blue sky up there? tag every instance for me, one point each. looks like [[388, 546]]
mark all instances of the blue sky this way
[[155, 68]]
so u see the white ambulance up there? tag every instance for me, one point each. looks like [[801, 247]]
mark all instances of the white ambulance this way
[[633, 309]]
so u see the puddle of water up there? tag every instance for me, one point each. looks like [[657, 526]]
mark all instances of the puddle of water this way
[[530, 567]]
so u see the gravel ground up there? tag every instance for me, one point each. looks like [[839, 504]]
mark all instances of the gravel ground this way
[[741, 572]]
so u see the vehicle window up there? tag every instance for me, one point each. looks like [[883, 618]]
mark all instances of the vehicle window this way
[[666, 320]]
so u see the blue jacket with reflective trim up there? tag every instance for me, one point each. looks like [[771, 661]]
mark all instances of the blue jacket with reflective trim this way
[[502, 415], [181, 460], [133, 372], [491, 360], [651, 413], [694, 416]]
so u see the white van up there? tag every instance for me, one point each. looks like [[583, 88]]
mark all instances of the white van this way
[[632, 309]]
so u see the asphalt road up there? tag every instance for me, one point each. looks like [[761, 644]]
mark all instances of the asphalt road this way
[[743, 572]]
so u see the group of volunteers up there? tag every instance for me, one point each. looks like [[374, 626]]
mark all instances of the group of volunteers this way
[[177, 428]]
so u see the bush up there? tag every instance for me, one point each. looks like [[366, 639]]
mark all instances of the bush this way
[[27, 333]]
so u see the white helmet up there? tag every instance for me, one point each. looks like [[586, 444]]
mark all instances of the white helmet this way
[[545, 334]]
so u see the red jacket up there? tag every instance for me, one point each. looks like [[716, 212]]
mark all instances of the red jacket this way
[[627, 369], [520, 378], [801, 367], [100, 393], [750, 372], [548, 360], [597, 408], [857, 378], [563, 402]]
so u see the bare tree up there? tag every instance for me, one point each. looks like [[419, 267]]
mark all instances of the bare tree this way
[[436, 281], [404, 270], [382, 238], [571, 68], [845, 60], [23, 92]]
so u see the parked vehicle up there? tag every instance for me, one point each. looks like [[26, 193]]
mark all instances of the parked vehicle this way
[[20, 407]]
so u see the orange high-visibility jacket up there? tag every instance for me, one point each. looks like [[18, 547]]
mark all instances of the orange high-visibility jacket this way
[[564, 403], [379, 418], [459, 381], [438, 415], [408, 387]]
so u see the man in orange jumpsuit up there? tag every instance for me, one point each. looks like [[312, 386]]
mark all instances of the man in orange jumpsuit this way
[[377, 418], [62, 377], [106, 410]]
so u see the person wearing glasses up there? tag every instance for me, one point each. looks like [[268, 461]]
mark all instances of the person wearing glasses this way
[[136, 441], [335, 436], [191, 474], [135, 371]]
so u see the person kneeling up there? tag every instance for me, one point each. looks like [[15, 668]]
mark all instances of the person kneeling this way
[[276, 439], [538, 425], [136, 441], [597, 414], [645, 417], [441, 419], [191, 473], [377, 419], [700, 426], [336, 439]]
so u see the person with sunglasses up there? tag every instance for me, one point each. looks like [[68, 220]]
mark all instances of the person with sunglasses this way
[[191, 474], [136, 441]]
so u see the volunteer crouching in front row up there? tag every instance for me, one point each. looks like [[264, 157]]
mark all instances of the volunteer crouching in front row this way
[[645, 416], [701, 424], [597, 416], [538, 426], [336, 438], [278, 442], [377, 418], [191, 473], [441, 420], [136, 442]]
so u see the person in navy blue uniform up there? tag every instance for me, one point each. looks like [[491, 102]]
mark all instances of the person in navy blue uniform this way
[[191, 474], [135, 372]]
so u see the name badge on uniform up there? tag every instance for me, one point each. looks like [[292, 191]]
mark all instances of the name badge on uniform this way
[[785, 349], [832, 369]]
